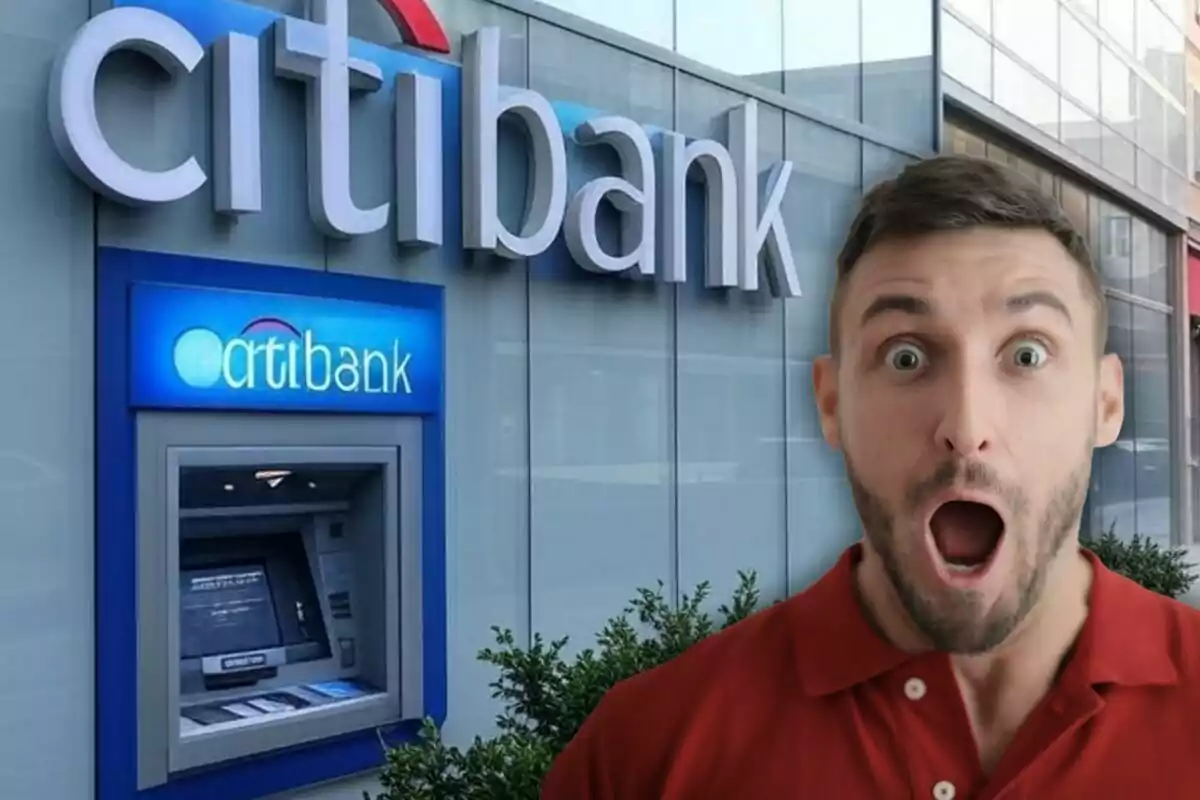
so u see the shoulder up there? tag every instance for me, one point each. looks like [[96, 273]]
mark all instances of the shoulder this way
[[1149, 629], [630, 743]]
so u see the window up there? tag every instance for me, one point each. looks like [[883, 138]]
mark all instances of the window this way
[[1116, 239]]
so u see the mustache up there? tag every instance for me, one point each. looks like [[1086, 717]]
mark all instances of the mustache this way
[[962, 474]]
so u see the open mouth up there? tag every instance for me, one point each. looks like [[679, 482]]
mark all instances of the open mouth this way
[[966, 534]]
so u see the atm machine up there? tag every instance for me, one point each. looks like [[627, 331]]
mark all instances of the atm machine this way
[[270, 605]]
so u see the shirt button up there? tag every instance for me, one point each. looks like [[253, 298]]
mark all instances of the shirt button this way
[[914, 689], [943, 790]]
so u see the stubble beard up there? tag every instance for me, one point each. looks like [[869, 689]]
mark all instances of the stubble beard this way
[[958, 621]]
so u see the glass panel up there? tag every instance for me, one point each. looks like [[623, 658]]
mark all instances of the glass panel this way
[[1116, 246], [822, 56], [1080, 63], [1116, 17], [1116, 91], [649, 20], [1150, 134], [1118, 155], [1151, 423], [1030, 29], [1114, 479], [1081, 132], [978, 12], [1158, 251], [966, 57], [601, 369], [898, 68], [1151, 175], [1176, 133], [818, 208], [729, 388], [1139, 263], [755, 52], [1025, 95], [1196, 135]]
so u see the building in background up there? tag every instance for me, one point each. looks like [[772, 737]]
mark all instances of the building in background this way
[[1090, 97], [1192, 275]]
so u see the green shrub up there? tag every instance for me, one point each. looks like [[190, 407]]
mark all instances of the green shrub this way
[[547, 695], [1143, 561]]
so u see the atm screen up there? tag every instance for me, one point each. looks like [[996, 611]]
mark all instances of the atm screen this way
[[226, 610]]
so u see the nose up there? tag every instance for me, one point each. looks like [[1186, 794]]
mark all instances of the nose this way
[[966, 427]]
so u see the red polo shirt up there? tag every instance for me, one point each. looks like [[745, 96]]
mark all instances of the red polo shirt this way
[[804, 700]]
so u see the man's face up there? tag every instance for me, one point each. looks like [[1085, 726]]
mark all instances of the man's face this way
[[967, 396]]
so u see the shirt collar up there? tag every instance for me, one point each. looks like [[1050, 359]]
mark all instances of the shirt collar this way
[[1124, 639]]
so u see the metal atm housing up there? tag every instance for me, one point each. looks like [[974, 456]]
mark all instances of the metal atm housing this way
[[278, 582]]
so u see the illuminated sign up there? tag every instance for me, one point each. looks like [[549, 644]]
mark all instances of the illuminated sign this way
[[214, 348], [745, 237]]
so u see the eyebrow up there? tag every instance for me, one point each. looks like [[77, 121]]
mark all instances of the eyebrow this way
[[904, 303], [1042, 299], [915, 306]]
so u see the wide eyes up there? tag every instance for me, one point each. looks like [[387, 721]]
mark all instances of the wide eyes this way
[[1029, 354], [905, 357], [1023, 354]]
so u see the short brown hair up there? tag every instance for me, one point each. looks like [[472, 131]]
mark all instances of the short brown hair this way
[[951, 193]]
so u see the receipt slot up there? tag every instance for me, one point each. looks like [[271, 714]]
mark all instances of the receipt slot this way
[[271, 523]]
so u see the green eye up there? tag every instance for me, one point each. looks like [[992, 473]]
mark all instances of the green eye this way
[[905, 357], [1029, 354]]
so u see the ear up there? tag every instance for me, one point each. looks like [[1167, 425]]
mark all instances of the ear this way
[[825, 390], [1110, 400]]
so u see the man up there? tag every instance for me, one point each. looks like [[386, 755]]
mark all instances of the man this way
[[967, 647]]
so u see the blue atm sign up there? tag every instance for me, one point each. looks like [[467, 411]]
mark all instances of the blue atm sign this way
[[228, 349]]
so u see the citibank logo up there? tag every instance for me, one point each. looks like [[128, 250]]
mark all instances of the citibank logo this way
[[271, 354], [417, 24]]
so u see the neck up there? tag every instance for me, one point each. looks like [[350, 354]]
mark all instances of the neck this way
[[1001, 687], [1028, 662]]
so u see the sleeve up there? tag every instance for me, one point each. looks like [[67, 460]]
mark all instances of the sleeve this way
[[581, 771]]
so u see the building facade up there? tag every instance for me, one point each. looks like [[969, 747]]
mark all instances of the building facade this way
[[1090, 98], [601, 434]]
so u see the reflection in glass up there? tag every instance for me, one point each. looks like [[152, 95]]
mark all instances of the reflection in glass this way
[[822, 56], [1026, 95], [966, 57], [1081, 132], [1116, 17], [977, 12], [1116, 92], [1176, 131], [1151, 423], [1118, 154], [1029, 28], [755, 51], [649, 20], [1080, 62], [1115, 251], [898, 68]]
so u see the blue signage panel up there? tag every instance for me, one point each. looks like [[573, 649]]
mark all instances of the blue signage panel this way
[[211, 348]]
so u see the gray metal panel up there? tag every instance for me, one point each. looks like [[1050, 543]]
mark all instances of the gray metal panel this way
[[980, 108], [165, 441]]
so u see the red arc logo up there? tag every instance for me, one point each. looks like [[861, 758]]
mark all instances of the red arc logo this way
[[418, 25]]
